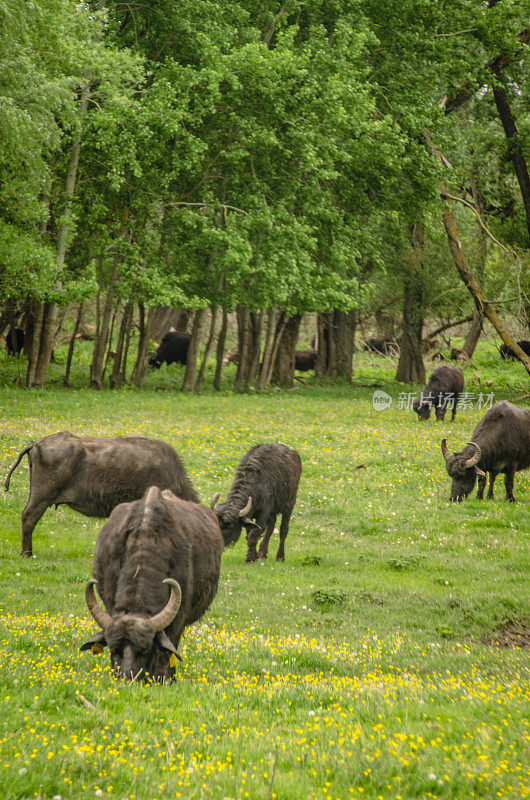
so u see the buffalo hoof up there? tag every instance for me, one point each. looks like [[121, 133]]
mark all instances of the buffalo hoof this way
[[251, 558], [510, 499], [262, 555], [280, 557], [27, 553]]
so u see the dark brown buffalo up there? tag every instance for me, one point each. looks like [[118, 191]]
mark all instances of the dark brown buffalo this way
[[147, 547], [305, 360], [442, 392], [93, 475], [265, 485], [507, 352], [173, 349], [500, 444]]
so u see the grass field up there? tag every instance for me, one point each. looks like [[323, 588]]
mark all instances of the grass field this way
[[364, 666]]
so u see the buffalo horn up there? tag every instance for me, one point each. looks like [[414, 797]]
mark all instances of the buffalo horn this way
[[474, 458], [245, 511], [213, 501], [100, 616], [169, 612], [445, 451]]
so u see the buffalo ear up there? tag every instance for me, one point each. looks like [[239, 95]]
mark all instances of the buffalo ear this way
[[479, 471], [249, 524], [165, 642], [97, 640]]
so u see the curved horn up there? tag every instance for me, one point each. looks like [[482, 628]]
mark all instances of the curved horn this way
[[169, 612], [445, 451], [244, 511], [213, 501], [100, 616], [474, 458]]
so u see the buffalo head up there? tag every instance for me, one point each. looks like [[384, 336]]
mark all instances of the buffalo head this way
[[422, 407], [231, 520], [462, 468], [139, 646]]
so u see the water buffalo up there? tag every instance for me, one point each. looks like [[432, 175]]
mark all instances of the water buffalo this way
[[305, 360], [507, 352], [15, 340], [157, 542], [173, 349], [265, 485], [442, 391], [500, 443], [93, 475], [386, 347]]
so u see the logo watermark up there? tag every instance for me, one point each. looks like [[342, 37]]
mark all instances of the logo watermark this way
[[481, 400], [381, 400]]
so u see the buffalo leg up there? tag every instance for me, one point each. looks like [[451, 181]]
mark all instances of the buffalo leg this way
[[269, 530], [253, 537], [31, 514], [453, 415], [493, 475], [481, 486], [508, 482], [284, 530]]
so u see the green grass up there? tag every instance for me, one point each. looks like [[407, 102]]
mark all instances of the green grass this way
[[354, 669]]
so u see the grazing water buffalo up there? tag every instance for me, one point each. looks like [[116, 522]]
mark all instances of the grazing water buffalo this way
[[305, 360], [442, 391], [145, 547], [93, 475], [386, 347], [15, 341], [265, 485], [507, 352], [500, 443], [173, 349]]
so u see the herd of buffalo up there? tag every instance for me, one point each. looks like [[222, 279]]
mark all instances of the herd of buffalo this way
[[160, 538]]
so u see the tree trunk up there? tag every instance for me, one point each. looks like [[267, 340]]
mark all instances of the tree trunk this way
[[102, 332], [220, 350], [342, 344], [49, 321], [324, 334], [243, 346], [188, 383], [33, 323], [255, 347], [130, 321], [108, 354], [78, 318], [266, 361], [140, 368], [515, 151], [116, 377], [483, 304], [410, 366], [283, 371], [165, 318], [208, 346], [475, 330]]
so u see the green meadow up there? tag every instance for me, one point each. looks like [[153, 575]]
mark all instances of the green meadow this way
[[383, 659]]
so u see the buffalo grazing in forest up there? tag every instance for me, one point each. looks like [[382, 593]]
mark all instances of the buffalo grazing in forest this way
[[441, 392], [15, 340], [507, 352], [146, 547], [304, 360], [173, 349], [93, 475], [500, 443], [385, 347], [265, 485]]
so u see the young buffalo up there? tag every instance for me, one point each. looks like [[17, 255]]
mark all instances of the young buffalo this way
[[442, 392], [265, 485]]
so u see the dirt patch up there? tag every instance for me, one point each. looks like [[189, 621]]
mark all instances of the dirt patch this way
[[515, 633]]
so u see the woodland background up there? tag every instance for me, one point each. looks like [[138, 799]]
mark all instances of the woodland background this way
[[172, 163]]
